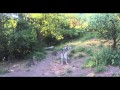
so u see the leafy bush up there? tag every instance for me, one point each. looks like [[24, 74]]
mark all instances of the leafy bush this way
[[100, 68], [107, 56], [89, 51], [39, 55], [90, 63], [73, 33]]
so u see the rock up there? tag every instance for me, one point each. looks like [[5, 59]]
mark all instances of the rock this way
[[28, 70], [91, 75], [11, 70], [73, 68]]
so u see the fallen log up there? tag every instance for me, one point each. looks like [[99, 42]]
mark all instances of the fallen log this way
[[49, 48]]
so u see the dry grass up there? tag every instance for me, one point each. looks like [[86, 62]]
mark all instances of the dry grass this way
[[92, 42]]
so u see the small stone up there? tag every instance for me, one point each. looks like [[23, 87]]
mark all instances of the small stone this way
[[28, 70], [11, 70]]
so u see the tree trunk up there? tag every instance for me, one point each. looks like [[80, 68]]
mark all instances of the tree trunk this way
[[114, 36], [39, 36], [114, 43]]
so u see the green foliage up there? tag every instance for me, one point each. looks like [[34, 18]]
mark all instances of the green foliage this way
[[88, 36], [72, 33], [107, 26], [25, 35], [21, 35], [90, 63], [78, 49], [100, 68], [100, 46], [26, 32], [3, 36], [23, 41], [89, 51], [77, 52], [107, 56], [38, 55], [81, 51]]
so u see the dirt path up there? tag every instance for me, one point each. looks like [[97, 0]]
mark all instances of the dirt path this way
[[50, 67]]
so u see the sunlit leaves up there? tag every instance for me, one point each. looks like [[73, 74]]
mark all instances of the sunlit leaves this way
[[108, 26]]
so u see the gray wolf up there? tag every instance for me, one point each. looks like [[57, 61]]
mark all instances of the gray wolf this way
[[64, 54]]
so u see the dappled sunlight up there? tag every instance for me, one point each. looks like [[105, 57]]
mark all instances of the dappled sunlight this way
[[35, 15], [86, 43], [45, 36], [91, 42], [75, 43]]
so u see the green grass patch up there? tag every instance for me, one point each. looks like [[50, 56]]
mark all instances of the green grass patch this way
[[89, 63], [100, 68], [38, 55], [89, 36]]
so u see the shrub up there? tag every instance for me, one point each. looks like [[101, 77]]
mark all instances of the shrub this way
[[107, 56], [89, 63], [89, 51], [100, 68]]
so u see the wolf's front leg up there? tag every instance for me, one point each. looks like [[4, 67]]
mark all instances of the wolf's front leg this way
[[62, 59], [66, 61]]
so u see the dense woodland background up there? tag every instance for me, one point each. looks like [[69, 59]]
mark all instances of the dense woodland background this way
[[24, 35]]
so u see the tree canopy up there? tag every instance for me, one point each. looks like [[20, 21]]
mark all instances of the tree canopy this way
[[23, 33]]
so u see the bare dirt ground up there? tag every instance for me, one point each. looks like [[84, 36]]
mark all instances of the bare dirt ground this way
[[50, 67]]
